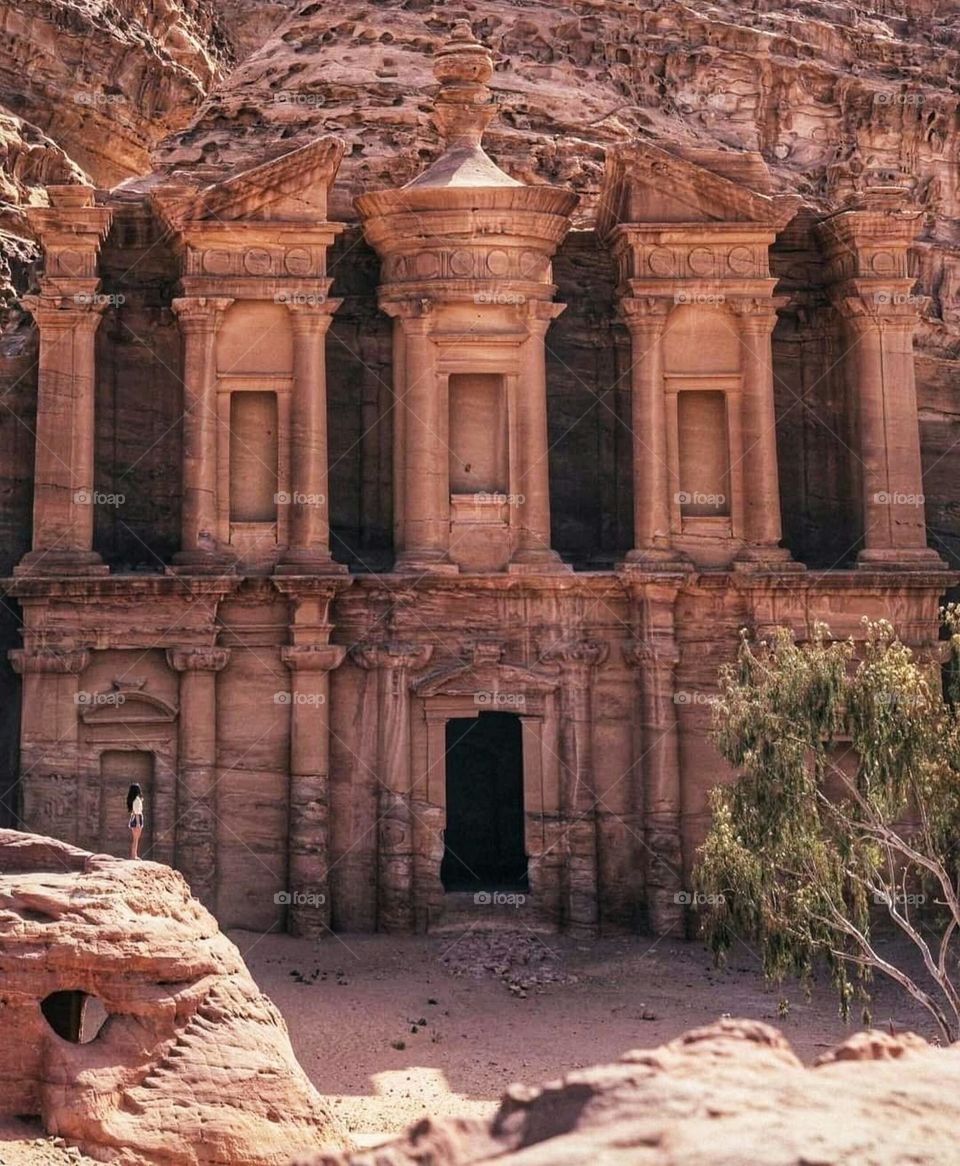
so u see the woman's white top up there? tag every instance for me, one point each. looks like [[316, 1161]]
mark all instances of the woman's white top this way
[[137, 806]]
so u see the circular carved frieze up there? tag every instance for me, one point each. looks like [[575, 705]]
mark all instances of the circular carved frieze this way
[[216, 262], [428, 264], [256, 261], [740, 261], [662, 262], [701, 261], [461, 263], [884, 263], [498, 263], [298, 261]]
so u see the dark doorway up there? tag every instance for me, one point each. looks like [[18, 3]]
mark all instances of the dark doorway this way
[[74, 1016], [483, 841]]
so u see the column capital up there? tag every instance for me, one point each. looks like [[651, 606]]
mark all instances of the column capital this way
[[540, 314], [78, 312], [63, 661], [313, 657], [656, 655], [416, 315], [576, 654], [757, 315], [200, 313], [311, 315], [641, 313], [393, 655], [883, 306], [198, 659]]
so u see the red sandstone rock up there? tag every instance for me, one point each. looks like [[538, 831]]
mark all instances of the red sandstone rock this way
[[728, 1094], [193, 1064]]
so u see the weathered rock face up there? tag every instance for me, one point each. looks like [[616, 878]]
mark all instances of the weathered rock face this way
[[192, 1064], [723, 1095]]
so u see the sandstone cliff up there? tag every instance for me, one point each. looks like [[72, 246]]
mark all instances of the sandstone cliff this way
[[192, 1063]]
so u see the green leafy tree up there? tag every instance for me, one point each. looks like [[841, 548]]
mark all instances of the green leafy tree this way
[[846, 812]]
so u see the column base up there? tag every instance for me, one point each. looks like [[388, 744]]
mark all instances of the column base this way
[[667, 559], [538, 561], [36, 563], [425, 563], [901, 559], [202, 563], [766, 558], [306, 562]]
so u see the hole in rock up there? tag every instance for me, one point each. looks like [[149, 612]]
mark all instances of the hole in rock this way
[[74, 1016]]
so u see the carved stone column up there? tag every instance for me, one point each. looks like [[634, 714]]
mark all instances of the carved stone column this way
[[880, 357], [308, 831], [391, 665], [866, 246], [200, 318], [534, 552], [68, 312], [579, 660], [49, 737], [757, 319], [63, 500], [421, 412], [645, 317], [197, 821], [656, 656], [309, 549]]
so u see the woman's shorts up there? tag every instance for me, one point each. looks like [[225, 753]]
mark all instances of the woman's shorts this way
[[136, 820]]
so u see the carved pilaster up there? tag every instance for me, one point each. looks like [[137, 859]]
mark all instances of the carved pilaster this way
[[199, 318], [391, 665], [308, 831], [309, 549], [578, 660], [195, 845]]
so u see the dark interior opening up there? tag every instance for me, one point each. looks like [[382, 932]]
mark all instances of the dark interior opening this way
[[74, 1016], [483, 841]]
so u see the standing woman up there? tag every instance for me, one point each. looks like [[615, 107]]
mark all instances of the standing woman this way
[[135, 810]]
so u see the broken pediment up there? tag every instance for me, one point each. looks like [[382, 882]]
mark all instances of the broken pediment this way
[[291, 188], [644, 184], [125, 703], [487, 674]]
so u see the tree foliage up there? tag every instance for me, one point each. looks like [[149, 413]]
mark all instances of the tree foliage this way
[[846, 812]]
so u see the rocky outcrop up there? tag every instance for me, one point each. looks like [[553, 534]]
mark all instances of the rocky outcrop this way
[[725, 1095], [131, 1026]]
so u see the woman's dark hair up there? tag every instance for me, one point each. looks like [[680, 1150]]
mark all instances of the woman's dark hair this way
[[133, 792]]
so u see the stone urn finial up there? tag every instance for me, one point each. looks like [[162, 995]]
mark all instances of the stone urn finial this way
[[463, 109]]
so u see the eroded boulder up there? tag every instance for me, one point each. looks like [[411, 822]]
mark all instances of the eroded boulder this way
[[130, 1024], [727, 1094]]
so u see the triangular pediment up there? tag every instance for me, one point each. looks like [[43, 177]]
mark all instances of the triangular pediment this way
[[291, 188], [645, 184]]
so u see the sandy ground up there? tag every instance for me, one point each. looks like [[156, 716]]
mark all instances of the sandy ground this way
[[480, 1036], [392, 1028]]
